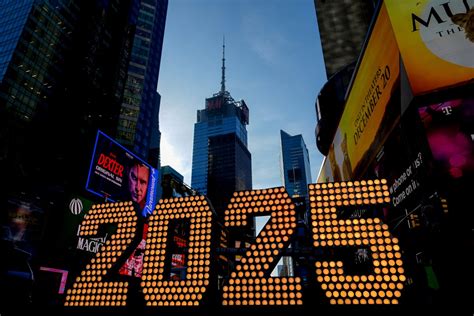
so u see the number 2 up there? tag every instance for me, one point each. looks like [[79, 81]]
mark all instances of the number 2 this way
[[90, 289], [251, 284]]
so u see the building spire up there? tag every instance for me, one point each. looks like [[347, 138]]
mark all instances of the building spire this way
[[223, 66]]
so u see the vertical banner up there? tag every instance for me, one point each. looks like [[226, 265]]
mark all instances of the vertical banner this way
[[436, 40], [366, 105]]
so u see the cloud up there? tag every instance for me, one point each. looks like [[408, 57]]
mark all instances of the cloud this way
[[172, 156], [176, 124]]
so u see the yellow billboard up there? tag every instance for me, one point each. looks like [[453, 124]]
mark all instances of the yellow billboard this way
[[373, 85], [436, 40]]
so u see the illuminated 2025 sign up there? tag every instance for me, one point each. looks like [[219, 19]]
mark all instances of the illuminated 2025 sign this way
[[250, 284]]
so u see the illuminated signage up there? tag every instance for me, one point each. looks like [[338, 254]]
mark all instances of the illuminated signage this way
[[384, 285], [250, 284], [366, 106], [90, 288], [436, 41], [119, 175]]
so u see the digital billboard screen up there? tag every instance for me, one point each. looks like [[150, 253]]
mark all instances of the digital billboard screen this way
[[368, 114], [435, 40], [117, 174], [449, 130]]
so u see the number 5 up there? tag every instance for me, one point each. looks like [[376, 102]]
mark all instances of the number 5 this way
[[385, 284]]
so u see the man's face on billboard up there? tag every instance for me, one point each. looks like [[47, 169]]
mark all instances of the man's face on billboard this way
[[138, 182]]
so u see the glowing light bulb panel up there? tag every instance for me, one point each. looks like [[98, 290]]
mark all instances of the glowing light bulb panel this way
[[384, 285], [90, 289], [251, 283], [189, 292]]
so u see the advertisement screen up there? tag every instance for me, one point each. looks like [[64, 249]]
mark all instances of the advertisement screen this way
[[449, 129], [436, 40], [367, 117], [117, 174], [21, 226]]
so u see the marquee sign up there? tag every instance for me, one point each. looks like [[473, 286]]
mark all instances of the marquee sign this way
[[250, 284]]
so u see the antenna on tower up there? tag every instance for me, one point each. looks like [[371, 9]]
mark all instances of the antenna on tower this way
[[223, 66]]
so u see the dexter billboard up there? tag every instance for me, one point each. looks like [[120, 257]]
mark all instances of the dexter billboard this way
[[119, 175]]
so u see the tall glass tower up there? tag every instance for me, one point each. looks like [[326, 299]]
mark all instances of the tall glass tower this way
[[221, 161], [138, 120], [295, 166], [296, 175], [67, 69]]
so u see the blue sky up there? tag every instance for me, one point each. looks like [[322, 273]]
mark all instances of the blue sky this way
[[273, 62]]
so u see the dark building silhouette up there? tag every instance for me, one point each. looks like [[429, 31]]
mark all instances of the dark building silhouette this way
[[67, 69], [228, 169], [222, 164], [343, 28], [138, 126], [172, 184]]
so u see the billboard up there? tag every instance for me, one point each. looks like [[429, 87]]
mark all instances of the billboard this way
[[366, 117], [436, 40], [21, 226], [117, 174], [449, 128], [214, 103]]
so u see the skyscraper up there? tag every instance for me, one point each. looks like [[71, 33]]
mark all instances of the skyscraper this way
[[296, 175], [138, 118], [70, 68], [295, 166], [221, 160], [67, 68]]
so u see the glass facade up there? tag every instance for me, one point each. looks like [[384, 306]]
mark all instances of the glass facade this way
[[13, 15], [65, 66], [295, 166], [202, 131], [69, 69], [296, 176], [140, 106], [229, 168], [32, 45], [221, 160]]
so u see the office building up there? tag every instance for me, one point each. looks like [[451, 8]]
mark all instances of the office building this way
[[296, 175], [221, 159], [138, 121], [67, 69], [172, 184], [295, 165]]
